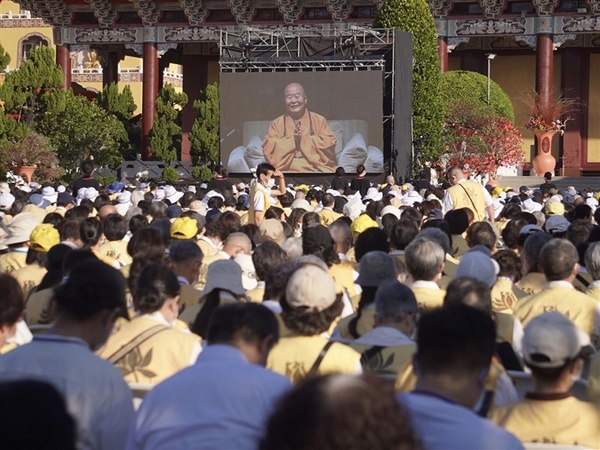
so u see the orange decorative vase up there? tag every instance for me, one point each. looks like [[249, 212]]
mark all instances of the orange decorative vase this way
[[544, 161], [27, 171]]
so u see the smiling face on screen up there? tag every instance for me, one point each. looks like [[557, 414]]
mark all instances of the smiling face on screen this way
[[295, 100]]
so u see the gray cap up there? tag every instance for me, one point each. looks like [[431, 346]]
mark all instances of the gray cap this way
[[376, 267]]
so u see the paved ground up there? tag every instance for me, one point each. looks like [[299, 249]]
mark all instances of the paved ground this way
[[580, 183]]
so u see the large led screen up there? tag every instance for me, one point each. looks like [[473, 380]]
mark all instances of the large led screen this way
[[302, 122]]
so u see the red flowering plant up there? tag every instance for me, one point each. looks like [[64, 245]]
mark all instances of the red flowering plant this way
[[481, 141], [549, 115], [33, 150]]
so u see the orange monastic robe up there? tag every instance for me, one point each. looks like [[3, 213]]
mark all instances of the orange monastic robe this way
[[315, 152]]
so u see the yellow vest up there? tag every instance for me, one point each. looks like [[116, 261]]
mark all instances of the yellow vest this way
[[594, 293], [460, 198], [11, 261], [365, 324], [328, 216], [567, 421], [532, 283], [582, 281], [256, 295], [428, 298], [266, 203], [395, 359], [294, 356], [40, 307], [505, 325], [189, 296], [578, 307], [29, 277], [207, 248], [207, 261], [116, 250], [459, 246], [155, 359], [343, 275], [505, 295]]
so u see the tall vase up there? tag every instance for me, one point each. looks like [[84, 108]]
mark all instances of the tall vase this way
[[544, 161], [27, 171]]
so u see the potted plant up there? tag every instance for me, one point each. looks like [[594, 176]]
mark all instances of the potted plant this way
[[32, 156], [547, 118]]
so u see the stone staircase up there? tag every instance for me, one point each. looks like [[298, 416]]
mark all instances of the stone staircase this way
[[580, 183]]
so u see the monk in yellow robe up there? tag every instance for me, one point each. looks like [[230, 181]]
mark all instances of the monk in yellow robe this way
[[300, 140]]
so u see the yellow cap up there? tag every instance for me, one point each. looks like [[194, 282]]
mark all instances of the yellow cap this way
[[44, 237], [555, 208], [184, 228], [363, 222], [302, 187]]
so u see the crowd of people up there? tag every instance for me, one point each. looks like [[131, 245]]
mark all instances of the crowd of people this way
[[268, 315]]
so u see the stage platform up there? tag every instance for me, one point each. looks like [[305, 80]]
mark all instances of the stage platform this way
[[580, 183]]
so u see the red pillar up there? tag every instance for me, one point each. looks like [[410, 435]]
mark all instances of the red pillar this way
[[575, 84], [63, 59], [195, 79], [149, 94], [544, 66], [443, 53]]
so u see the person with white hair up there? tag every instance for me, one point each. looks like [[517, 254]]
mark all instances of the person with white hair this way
[[425, 264], [592, 265]]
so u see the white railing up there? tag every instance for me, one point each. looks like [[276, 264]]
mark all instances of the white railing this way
[[176, 75], [81, 69], [22, 15], [130, 69]]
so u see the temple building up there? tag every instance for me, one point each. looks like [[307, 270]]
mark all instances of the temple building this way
[[543, 45]]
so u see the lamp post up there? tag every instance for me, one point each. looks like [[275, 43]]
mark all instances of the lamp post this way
[[489, 57]]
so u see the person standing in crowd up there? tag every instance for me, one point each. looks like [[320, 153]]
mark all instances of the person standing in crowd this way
[[86, 180], [224, 399], [220, 181], [551, 349], [95, 393], [339, 182], [360, 183], [262, 191], [455, 345], [547, 184], [467, 194]]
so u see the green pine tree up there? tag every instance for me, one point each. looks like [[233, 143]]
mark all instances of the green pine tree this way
[[165, 136], [79, 130], [414, 16], [204, 136], [25, 91], [122, 106], [4, 59]]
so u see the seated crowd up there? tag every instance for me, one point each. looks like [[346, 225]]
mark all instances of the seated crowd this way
[[264, 316]]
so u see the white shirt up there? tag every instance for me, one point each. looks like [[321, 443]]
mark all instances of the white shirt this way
[[96, 395], [443, 424], [221, 402], [424, 284]]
